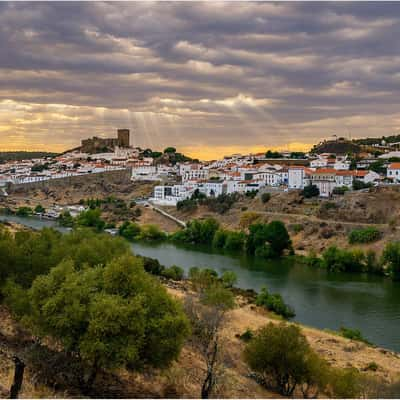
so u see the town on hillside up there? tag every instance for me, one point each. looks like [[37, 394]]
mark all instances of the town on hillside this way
[[332, 167]]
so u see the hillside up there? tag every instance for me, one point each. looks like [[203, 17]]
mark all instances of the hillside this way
[[23, 155], [336, 147]]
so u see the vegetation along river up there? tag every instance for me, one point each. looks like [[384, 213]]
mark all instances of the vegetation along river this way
[[321, 299]]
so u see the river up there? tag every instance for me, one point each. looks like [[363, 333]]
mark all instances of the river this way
[[321, 299]]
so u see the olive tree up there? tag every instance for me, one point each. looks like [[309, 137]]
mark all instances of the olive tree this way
[[108, 317]]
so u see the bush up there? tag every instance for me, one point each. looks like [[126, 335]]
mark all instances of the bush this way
[[91, 218], [248, 218], [280, 355], [391, 258], [247, 335], [24, 212], [235, 241], [252, 194], [272, 238], [39, 209], [187, 205], [174, 272], [358, 185], [151, 232], [338, 260], [222, 203], [228, 279], [364, 235], [265, 197], [197, 232], [220, 238], [65, 219], [129, 230], [275, 303], [202, 278], [340, 190], [310, 191], [152, 265], [353, 334]]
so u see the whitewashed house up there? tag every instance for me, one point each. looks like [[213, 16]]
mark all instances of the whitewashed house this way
[[393, 172]]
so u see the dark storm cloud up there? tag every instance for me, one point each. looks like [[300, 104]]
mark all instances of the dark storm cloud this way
[[208, 69]]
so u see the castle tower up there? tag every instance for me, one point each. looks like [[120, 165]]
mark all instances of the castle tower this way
[[123, 137]]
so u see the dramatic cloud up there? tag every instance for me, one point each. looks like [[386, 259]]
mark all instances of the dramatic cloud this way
[[207, 77]]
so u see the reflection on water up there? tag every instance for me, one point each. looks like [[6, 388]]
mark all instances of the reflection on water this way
[[324, 300]]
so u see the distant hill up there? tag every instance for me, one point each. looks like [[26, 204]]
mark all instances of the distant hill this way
[[378, 140], [340, 146], [23, 155]]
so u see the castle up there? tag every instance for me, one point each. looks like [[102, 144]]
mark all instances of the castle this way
[[100, 145]]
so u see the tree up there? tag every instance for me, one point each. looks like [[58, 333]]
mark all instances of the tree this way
[[391, 257], [108, 317], [24, 211], [170, 150], [207, 318], [310, 191], [280, 355], [91, 218], [129, 230], [265, 197], [39, 209], [269, 239]]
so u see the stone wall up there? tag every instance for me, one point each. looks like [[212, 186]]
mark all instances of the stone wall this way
[[115, 177]]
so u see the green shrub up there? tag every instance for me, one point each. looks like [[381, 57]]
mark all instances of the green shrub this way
[[364, 235], [235, 241], [310, 191], [275, 303], [151, 232], [358, 185], [91, 218], [152, 265], [338, 260], [129, 230], [219, 238], [228, 279], [247, 335], [340, 190], [39, 209], [391, 258], [353, 334], [174, 272], [65, 219], [111, 316], [24, 212], [265, 197], [280, 355], [186, 205], [271, 239], [372, 366]]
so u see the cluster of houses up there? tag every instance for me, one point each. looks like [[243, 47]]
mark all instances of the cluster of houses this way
[[235, 173], [247, 173]]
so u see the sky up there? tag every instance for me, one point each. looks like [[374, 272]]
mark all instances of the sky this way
[[209, 78]]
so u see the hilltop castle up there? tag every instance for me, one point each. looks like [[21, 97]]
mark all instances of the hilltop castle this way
[[100, 145]]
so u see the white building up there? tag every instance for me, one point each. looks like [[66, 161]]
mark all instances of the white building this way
[[190, 172], [393, 172], [170, 195], [296, 177]]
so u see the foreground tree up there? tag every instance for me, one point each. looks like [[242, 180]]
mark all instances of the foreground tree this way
[[107, 317], [207, 316], [280, 355]]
